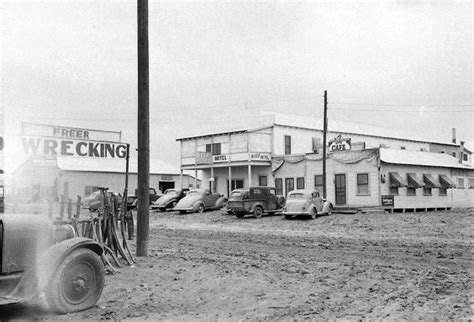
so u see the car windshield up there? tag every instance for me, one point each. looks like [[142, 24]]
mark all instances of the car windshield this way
[[296, 196], [171, 192]]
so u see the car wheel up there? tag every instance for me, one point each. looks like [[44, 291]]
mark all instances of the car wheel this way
[[239, 215], [162, 209], [258, 212], [200, 208], [77, 282], [313, 213], [288, 217], [182, 212], [330, 209]]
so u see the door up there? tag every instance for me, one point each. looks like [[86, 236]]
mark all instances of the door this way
[[289, 185], [340, 182]]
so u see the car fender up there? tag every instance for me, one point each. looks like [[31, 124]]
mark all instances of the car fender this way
[[221, 202], [326, 207], [35, 279]]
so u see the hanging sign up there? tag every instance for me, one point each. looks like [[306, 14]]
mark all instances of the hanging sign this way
[[339, 144]]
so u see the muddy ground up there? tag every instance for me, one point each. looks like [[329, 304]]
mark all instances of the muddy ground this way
[[364, 266]]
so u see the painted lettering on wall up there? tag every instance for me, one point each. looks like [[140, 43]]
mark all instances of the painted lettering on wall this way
[[261, 156], [54, 147], [220, 158]]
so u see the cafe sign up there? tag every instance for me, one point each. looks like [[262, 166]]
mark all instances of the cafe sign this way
[[339, 144]]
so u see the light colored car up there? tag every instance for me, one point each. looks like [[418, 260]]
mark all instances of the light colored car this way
[[199, 200], [304, 202]]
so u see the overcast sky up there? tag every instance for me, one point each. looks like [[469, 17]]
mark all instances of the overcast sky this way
[[399, 64]]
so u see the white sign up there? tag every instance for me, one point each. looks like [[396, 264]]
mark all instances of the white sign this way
[[339, 144], [220, 158], [71, 133], [261, 156]]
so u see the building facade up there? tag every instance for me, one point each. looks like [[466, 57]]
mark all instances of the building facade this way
[[287, 154]]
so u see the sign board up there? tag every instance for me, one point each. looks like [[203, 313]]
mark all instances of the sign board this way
[[71, 133], [51, 141], [220, 158], [388, 201], [261, 156], [339, 144], [203, 158]]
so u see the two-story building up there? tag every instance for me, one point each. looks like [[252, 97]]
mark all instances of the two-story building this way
[[286, 152]]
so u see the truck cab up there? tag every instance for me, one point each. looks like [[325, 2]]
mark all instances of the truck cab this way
[[260, 201]]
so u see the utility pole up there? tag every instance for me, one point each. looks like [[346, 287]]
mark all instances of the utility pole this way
[[325, 130], [143, 184]]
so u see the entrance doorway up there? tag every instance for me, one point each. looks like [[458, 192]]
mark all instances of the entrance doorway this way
[[340, 182], [163, 185], [236, 184]]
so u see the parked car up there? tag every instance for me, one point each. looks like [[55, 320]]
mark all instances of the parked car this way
[[261, 200], [170, 199], [199, 200], [237, 195], [303, 202], [37, 257]]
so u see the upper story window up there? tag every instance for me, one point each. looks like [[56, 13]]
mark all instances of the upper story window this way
[[214, 149], [287, 144], [465, 157], [454, 154]]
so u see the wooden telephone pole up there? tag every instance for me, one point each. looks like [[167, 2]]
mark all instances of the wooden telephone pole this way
[[325, 130], [143, 184]]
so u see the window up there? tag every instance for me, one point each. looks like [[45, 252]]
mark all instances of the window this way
[[464, 156], [471, 183], [460, 184], [213, 185], [403, 148], [287, 144], [443, 152], [279, 186], [89, 190], [214, 149], [426, 191], [289, 185], [363, 184], [318, 183], [299, 183], [411, 191], [394, 191], [443, 191], [262, 181], [453, 154], [236, 184]]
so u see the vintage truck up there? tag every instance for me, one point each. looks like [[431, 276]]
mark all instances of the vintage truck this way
[[38, 257], [260, 201]]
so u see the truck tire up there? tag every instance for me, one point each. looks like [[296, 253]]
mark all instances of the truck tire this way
[[239, 215], [281, 201], [258, 212], [77, 283]]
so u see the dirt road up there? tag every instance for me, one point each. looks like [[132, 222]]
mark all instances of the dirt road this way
[[372, 266]]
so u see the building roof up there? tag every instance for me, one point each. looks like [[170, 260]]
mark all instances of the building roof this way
[[420, 158], [112, 165], [349, 127]]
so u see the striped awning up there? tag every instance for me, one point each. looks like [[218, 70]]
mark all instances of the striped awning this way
[[396, 180], [446, 182], [414, 181], [430, 181]]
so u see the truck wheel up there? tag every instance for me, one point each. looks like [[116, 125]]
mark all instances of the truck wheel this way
[[77, 283], [258, 212], [313, 213], [239, 215], [288, 217]]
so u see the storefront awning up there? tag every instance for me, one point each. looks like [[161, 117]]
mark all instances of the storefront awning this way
[[396, 180], [446, 182], [430, 181], [414, 181]]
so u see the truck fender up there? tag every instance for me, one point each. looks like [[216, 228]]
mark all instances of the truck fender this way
[[255, 205], [35, 279]]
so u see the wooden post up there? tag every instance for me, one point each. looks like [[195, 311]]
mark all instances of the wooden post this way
[[143, 197], [78, 206], [69, 208], [325, 130], [62, 205]]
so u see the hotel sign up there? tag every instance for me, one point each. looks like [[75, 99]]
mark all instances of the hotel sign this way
[[339, 144], [260, 156], [220, 158]]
